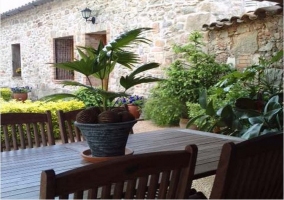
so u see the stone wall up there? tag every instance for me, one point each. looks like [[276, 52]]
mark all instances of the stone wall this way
[[36, 29], [244, 43]]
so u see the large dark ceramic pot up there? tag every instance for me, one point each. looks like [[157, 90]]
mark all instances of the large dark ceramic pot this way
[[106, 140]]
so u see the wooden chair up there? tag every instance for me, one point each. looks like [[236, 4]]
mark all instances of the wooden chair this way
[[26, 130], [252, 169], [161, 174], [69, 132]]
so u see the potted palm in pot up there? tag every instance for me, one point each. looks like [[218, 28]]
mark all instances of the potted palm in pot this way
[[106, 128]]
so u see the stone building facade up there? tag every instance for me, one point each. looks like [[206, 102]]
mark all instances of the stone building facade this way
[[243, 40], [29, 34]]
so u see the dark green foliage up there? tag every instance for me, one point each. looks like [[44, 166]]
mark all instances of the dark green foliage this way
[[203, 69], [6, 94], [244, 119], [184, 79], [162, 109], [89, 98], [259, 123], [264, 79]]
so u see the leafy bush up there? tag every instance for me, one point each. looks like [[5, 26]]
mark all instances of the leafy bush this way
[[194, 109], [184, 80], [6, 94], [88, 97], [162, 110], [14, 106], [260, 123], [242, 119], [257, 81]]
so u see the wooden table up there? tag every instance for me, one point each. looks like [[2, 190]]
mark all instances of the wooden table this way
[[21, 169]]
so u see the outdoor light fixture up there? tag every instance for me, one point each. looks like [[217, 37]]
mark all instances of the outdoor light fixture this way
[[86, 13]]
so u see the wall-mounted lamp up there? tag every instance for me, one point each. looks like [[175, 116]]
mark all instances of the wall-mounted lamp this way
[[86, 13]]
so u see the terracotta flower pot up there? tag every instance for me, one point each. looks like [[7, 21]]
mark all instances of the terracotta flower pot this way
[[134, 110], [20, 96]]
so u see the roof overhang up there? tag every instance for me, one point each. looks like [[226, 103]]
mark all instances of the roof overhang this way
[[23, 8]]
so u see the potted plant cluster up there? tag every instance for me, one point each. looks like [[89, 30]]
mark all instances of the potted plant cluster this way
[[193, 70], [106, 128], [245, 103], [134, 104], [20, 93]]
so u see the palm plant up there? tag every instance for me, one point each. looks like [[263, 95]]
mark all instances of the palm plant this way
[[100, 62]]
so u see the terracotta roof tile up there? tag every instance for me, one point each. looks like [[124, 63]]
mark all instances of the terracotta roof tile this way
[[259, 13], [22, 8]]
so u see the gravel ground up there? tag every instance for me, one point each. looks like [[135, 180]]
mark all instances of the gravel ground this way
[[204, 184]]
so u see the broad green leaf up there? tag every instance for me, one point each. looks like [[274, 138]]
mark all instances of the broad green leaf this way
[[130, 37], [144, 68], [277, 57], [210, 109], [128, 82], [85, 67], [192, 120], [56, 97], [256, 120], [272, 104], [127, 58], [75, 83], [225, 111], [203, 99], [271, 114], [253, 131]]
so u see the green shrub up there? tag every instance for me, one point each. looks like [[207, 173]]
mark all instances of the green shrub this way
[[6, 94], [185, 77], [88, 97], [14, 106], [162, 110], [258, 81]]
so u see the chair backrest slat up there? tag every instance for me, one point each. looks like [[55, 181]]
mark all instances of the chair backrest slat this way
[[106, 192], [79, 194], [14, 137], [164, 184], [69, 132], [29, 136], [131, 176], [43, 136], [252, 169], [22, 136], [36, 134], [92, 193], [6, 138], [130, 189], [173, 184], [118, 190], [26, 130], [142, 187], [153, 186]]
